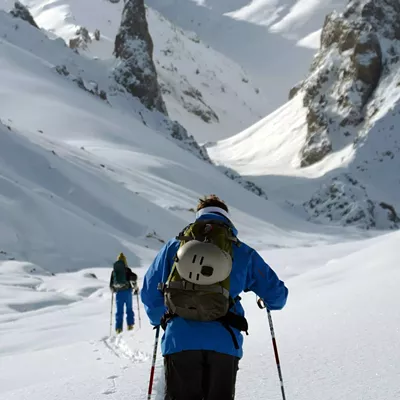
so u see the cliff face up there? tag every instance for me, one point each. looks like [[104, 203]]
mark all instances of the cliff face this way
[[135, 69], [356, 52]]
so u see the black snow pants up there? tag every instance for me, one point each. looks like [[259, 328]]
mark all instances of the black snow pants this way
[[200, 375]]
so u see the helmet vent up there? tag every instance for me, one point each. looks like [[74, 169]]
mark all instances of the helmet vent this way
[[190, 275], [194, 258], [201, 261], [207, 270]]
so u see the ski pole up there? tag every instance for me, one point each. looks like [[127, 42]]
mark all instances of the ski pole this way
[[138, 309], [153, 364], [111, 312], [262, 304], [278, 364]]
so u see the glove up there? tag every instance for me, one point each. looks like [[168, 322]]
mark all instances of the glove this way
[[133, 285]]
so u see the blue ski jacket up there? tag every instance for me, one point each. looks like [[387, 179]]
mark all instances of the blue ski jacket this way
[[249, 272]]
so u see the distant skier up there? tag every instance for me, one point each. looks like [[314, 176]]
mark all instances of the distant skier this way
[[122, 281], [192, 290]]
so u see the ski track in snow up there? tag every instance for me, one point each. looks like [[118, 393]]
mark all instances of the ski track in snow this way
[[121, 349]]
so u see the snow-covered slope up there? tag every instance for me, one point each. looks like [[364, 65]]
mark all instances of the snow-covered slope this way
[[209, 94], [338, 334], [272, 39], [340, 127]]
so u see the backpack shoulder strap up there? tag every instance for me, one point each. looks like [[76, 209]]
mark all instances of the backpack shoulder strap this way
[[181, 236]]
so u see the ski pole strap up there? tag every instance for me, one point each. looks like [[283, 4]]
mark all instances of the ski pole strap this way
[[185, 285]]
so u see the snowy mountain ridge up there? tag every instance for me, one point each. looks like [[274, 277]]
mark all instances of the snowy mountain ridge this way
[[220, 80], [274, 40], [95, 78], [209, 94]]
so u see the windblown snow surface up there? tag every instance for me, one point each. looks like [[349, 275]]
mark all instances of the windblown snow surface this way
[[82, 179]]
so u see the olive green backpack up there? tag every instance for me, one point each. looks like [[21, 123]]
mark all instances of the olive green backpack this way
[[201, 290]]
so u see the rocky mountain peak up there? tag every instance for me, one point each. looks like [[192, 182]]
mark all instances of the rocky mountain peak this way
[[22, 12], [135, 69]]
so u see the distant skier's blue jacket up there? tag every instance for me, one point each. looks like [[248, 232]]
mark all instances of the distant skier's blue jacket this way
[[249, 272]]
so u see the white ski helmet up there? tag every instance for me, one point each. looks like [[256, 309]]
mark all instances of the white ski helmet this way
[[203, 263]]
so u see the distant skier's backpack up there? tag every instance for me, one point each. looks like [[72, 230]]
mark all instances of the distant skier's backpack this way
[[119, 276], [198, 285]]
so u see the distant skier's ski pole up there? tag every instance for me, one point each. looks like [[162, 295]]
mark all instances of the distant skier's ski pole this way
[[261, 304], [111, 312], [153, 364], [138, 309]]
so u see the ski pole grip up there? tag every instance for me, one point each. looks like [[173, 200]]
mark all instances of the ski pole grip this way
[[261, 303]]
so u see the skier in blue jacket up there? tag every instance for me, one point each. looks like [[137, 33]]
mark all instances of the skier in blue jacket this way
[[122, 281], [201, 358]]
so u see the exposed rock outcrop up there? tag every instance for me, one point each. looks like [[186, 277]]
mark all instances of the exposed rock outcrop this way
[[196, 105], [22, 12], [135, 69], [90, 87], [345, 73], [353, 106], [81, 39], [186, 141], [345, 200]]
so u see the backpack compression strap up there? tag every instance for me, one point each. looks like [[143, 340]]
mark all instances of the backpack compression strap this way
[[229, 321], [184, 285]]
